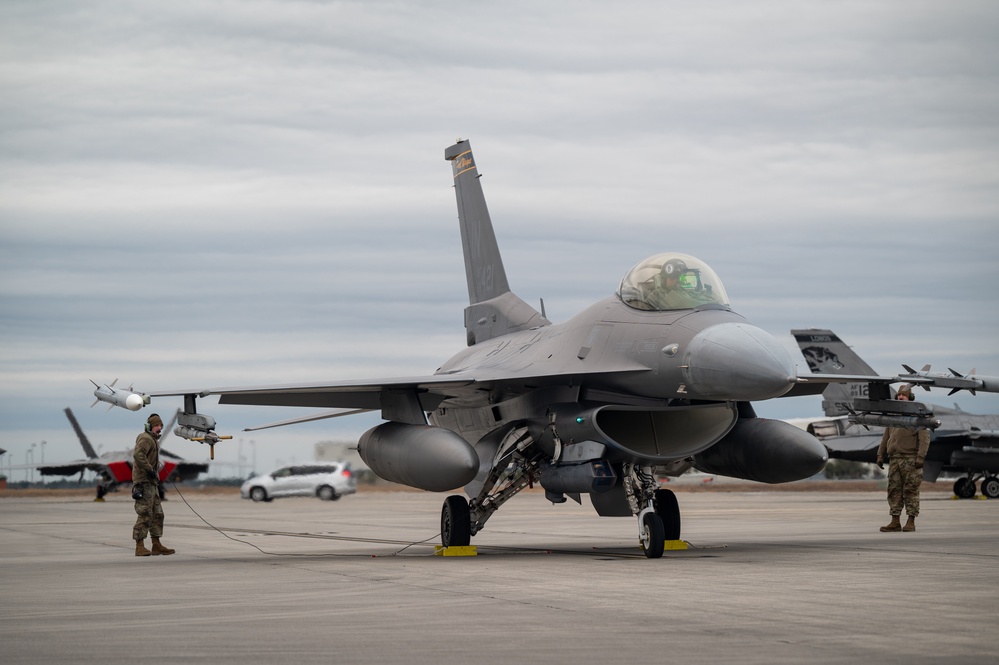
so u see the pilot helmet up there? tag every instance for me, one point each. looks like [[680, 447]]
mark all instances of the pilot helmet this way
[[674, 268]]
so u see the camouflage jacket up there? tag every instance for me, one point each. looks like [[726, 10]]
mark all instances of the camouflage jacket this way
[[904, 443], [145, 458]]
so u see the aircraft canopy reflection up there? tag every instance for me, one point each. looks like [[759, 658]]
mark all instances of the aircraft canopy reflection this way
[[672, 281]]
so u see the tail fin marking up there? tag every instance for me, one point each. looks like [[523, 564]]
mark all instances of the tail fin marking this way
[[493, 309], [826, 353]]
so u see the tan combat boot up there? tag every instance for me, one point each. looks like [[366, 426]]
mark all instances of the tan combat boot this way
[[892, 526], [140, 548], [910, 525], [159, 549]]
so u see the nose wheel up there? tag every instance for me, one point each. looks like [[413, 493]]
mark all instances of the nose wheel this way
[[657, 510], [653, 536], [668, 510]]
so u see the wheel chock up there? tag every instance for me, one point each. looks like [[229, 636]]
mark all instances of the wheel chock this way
[[456, 550], [676, 545]]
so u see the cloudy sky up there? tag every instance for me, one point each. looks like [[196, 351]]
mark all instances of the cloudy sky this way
[[198, 194]]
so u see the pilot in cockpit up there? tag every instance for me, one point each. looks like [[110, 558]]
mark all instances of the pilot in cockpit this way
[[670, 292]]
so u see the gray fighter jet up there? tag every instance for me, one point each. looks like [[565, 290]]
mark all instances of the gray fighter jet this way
[[654, 379], [960, 442]]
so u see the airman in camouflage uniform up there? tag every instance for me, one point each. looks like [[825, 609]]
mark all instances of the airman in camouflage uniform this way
[[145, 477], [906, 450]]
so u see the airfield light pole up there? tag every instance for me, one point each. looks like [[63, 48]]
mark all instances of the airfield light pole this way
[[253, 444], [240, 458], [30, 452]]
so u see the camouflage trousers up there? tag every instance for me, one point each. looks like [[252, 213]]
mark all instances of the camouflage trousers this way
[[904, 480], [150, 513]]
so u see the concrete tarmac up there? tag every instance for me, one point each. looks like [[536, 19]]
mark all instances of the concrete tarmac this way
[[771, 577]]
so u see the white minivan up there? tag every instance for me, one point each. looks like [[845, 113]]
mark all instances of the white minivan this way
[[328, 481]]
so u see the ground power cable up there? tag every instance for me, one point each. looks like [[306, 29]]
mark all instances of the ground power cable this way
[[293, 554]]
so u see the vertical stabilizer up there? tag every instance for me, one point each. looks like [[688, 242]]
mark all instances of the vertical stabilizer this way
[[493, 309], [828, 354], [87, 448]]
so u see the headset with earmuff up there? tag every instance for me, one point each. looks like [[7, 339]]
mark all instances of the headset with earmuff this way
[[149, 425]]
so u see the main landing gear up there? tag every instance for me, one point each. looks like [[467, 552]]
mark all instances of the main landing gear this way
[[659, 522], [964, 487], [517, 464], [456, 522]]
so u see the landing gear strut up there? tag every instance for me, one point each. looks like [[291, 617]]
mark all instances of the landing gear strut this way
[[657, 510]]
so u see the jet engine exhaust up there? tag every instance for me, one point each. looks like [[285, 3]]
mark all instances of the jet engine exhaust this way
[[428, 458], [767, 451]]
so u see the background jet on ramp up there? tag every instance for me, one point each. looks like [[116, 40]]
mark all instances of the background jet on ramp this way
[[962, 443]]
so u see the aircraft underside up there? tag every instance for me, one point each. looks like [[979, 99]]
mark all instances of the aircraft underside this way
[[519, 462], [612, 453]]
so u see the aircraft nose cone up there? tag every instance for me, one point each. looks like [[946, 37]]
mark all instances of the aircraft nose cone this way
[[737, 361]]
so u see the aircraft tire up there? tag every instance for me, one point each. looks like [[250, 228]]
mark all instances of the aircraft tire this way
[[456, 522], [653, 536], [964, 488], [669, 512], [990, 487]]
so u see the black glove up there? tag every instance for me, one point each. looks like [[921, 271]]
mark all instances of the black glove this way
[[881, 463]]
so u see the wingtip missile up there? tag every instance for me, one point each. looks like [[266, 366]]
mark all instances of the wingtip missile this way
[[956, 381], [126, 399]]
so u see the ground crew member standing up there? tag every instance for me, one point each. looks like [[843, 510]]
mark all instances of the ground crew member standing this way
[[145, 486], [906, 450]]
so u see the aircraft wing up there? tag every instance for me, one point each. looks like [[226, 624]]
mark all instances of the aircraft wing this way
[[396, 396], [814, 384], [372, 394], [403, 399], [177, 466], [924, 379], [71, 468], [970, 436], [431, 391]]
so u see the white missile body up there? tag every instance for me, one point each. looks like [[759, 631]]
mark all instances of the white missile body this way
[[126, 399]]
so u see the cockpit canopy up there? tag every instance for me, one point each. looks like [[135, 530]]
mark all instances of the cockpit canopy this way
[[671, 281]]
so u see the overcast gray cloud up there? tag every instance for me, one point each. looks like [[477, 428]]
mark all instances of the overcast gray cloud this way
[[207, 194]]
